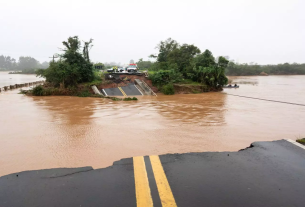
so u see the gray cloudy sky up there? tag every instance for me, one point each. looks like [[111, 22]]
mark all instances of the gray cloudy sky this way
[[261, 31]]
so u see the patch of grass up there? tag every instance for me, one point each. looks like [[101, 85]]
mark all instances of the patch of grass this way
[[114, 98], [151, 72], [189, 82], [301, 141], [95, 82], [130, 99]]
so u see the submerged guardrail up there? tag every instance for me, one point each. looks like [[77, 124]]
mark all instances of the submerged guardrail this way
[[21, 85], [145, 89]]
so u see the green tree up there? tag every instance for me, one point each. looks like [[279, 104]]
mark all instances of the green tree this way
[[206, 59], [99, 66], [212, 75], [183, 56], [144, 64], [72, 68], [165, 47]]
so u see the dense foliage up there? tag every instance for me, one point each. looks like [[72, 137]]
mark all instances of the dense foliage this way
[[163, 77], [73, 66], [280, 69], [177, 63], [144, 65], [168, 89]]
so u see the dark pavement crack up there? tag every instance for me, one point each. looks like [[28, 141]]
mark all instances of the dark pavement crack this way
[[70, 174]]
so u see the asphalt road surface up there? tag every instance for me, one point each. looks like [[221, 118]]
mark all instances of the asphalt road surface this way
[[130, 90], [113, 92], [265, 174]]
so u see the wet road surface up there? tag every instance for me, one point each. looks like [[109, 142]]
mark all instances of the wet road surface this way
[[112, 92], [265, 174], [130, 90]]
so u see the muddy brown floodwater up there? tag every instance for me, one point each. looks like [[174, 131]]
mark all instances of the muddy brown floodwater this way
[[52, 132]]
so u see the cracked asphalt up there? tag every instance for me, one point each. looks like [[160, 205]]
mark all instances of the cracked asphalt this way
[[265, 174]]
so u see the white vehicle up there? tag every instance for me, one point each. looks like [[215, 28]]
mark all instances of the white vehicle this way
[[122, 70], [132, 68]]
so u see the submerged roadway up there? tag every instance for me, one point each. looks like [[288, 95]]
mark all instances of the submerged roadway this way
[[265, 174], [129, 90]]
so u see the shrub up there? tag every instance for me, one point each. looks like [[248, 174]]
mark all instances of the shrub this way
[[301, 141], [130, 99], [84, 93], [38, 91], [114, 98], [168, 89], [164, 77]]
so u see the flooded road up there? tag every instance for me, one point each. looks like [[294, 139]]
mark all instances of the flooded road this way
[[12, 79], [52, 132]]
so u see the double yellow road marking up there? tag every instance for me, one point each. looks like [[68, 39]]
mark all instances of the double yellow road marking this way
[[123, 92], [142, 185], [143, 193]]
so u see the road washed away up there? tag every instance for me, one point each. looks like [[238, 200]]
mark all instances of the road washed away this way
[[264, 174]]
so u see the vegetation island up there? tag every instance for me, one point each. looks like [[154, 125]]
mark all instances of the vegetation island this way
[[178, 68]]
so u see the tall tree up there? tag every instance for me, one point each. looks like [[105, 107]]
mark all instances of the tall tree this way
[[182, 56], [86, 49], [165, 47], [73, 68]]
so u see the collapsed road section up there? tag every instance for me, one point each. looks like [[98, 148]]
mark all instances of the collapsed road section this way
[[265, 174], [127, 85], [129, 90]]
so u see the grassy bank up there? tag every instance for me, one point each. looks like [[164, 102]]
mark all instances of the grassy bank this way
[[301, 141], [80, 91]]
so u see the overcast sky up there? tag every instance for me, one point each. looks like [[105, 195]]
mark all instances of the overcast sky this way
[[261, 31]]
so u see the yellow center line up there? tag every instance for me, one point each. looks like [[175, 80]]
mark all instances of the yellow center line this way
[[165, 192], [143, 194], [123, 92]]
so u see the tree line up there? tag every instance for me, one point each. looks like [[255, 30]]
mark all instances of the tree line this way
[[235, 69], [23, 63]]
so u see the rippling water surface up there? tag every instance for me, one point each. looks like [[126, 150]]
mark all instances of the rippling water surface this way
[[50, 132]]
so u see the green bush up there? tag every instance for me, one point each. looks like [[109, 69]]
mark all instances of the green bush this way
[[168, 89], [72, 90], [130, 99], [38, 91], [163, 77], [84, 93], [114, 98]]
